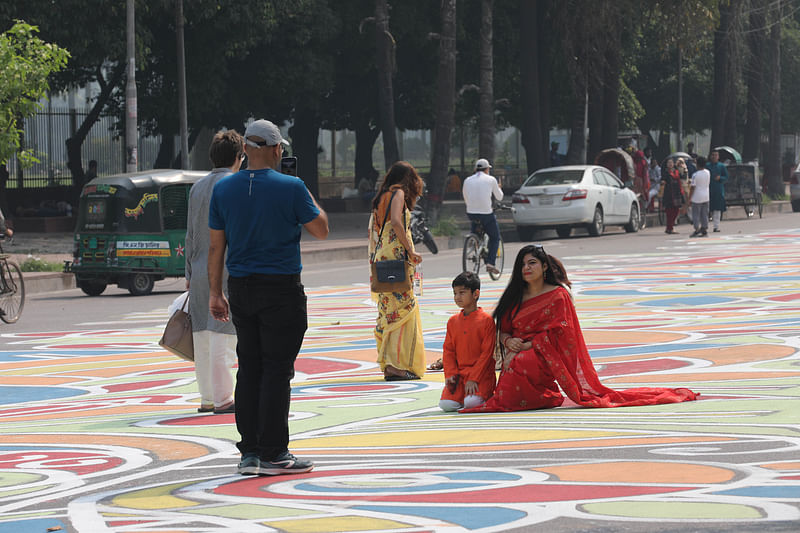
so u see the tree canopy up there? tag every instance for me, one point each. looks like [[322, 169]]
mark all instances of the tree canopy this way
[[26, 63]]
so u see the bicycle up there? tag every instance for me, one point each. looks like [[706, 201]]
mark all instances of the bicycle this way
[[12, 289], [476, 250]]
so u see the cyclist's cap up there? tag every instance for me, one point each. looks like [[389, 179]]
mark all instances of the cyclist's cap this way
[[482, 164]]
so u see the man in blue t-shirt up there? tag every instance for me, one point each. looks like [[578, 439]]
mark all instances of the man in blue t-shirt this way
[[259, 214]]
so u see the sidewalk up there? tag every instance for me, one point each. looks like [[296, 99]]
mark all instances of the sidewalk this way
[[347, 241]]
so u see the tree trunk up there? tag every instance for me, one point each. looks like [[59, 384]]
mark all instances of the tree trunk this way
[[365, 141], [75, 142], [723, 124], [384, 50], [486, 127], [595, 120], [772, 163], [166, 150], [305, 146], [610, 112], [545, 36], [445, 108], [576, 152], [753, 75], [532, 139]]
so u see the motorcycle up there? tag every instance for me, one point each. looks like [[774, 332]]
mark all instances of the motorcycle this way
[[419, 230]]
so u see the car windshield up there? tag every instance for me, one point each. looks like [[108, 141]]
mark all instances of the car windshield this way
[[554, 177]]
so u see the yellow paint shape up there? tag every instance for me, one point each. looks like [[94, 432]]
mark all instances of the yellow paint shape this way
[[792, 465], [163, 447], [673, 510], [639, 472], [337, 523], [155, 498], [36, 380], [402, 439], [588, 444]]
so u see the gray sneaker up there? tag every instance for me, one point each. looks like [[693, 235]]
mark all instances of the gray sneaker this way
[[249, 465], [285, 463]]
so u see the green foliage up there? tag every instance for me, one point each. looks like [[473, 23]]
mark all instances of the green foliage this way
[[36, 264], [446, 227], [26, 62]]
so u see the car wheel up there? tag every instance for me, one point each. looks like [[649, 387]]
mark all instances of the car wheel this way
[[795, 205], [140, 284], [564, 231], [596, 226], [92, 288], [633, 221], [525, 233]]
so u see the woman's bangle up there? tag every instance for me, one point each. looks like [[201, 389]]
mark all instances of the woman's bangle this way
[[505, 342]]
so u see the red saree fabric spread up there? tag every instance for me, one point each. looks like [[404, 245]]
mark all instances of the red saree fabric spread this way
[[559, 357]]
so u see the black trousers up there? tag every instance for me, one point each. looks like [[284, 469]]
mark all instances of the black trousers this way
[[269, 312]]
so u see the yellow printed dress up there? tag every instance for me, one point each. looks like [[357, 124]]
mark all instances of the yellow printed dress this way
[[398, 330]]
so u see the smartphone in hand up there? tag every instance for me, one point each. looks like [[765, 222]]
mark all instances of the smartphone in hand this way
[[289, 165]]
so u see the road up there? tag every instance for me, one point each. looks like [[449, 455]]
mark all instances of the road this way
[[63, 310], [100, 431]]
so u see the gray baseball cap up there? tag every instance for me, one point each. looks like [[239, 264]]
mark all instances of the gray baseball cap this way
[[266, 130]]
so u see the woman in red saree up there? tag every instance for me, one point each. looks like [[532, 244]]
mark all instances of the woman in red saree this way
[[544, 347]]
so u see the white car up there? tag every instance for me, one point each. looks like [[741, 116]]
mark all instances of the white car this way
[[587, 196]]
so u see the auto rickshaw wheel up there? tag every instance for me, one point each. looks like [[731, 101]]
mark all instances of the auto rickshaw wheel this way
[[91, 287], [140, 284]]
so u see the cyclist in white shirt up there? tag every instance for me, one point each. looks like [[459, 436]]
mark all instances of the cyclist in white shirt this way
[[478, 191]]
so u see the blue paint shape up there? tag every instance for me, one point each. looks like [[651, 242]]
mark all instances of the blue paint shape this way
[[687, 301], [313, 488], [771, 491], [12, 356], [10, 395], [466, 517], [35, 524], [483, 475], [659, 348]]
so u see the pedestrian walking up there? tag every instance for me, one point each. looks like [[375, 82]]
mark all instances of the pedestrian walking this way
[[671, 194], [259, 215], [719, 175], [214, 341], [699, 196], [398, 328]]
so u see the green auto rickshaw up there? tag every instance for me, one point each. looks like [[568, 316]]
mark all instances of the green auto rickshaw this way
[[131, 230]]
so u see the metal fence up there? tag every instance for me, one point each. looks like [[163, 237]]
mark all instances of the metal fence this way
[[46, 134]]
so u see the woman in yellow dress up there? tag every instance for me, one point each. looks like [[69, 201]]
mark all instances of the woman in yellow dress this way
[[398, 331]]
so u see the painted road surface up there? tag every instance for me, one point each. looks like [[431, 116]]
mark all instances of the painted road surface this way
[[99, 430]]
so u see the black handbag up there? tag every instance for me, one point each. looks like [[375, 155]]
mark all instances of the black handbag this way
[[389, 275]]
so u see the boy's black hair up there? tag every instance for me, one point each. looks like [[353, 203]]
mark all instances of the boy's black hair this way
[[469, 280]]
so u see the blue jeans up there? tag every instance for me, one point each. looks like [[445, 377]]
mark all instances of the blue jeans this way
[[269, 312], [491, 228]]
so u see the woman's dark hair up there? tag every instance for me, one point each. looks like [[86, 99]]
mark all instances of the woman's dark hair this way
[[406, 176], [226, 147], [555, 274]]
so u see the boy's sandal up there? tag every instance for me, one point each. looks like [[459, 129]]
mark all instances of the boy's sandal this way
[[436, 365], [405, 376]]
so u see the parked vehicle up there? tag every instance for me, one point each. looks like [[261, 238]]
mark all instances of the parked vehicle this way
[[419, 229], [566, 197], [131, 230]]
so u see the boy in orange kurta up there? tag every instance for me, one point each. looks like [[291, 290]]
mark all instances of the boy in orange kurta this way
[[468, 352]]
